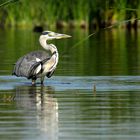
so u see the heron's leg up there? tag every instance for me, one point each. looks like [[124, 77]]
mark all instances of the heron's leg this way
[[42, 80], [33, 81]]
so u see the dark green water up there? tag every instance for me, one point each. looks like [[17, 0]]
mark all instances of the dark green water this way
[[115, 52], [67, 107]]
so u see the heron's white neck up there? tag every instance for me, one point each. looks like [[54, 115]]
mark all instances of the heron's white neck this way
[[52, 62], [46, 46], [43, 43]]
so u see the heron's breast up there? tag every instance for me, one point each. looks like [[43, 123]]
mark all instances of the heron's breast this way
[[49, 66]]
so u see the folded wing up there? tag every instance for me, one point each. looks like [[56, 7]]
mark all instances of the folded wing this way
[[30, 64]]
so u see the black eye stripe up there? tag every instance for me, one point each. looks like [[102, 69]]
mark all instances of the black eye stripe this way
[[45, 33]]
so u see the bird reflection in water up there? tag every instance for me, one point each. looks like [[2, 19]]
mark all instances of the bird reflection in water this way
[[40, 100]]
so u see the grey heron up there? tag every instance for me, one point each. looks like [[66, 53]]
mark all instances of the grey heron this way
[[38, 64]]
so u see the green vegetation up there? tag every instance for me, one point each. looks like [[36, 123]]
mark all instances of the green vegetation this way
[[59, 13]]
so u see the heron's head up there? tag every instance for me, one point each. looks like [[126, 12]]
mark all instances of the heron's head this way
[[49, 35]]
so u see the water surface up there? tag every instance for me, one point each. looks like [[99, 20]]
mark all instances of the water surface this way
[[93, 95]]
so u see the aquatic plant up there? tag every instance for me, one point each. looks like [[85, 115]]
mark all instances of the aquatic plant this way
[[17, 13]]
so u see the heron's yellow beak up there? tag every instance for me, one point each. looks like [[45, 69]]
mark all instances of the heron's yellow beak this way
[[52, 35], [60, 36]]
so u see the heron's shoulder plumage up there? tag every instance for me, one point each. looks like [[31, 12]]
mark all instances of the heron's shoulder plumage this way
[[27, 64], [37, 54]]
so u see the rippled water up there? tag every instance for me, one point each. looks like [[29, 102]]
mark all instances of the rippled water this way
[[80, 108], [95, 93]]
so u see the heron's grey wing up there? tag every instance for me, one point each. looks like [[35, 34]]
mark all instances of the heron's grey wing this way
[[25, 64], [39, 54]]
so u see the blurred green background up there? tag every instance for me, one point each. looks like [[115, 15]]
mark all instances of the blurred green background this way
[[68, 13]]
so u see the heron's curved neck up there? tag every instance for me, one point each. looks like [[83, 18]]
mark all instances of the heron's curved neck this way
[[53, 61], [43, 43], [46, 46]]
